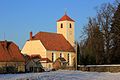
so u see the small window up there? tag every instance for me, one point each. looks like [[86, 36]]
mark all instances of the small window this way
[[52, 57], [68, 58], [60, 55], [61, 25], [70, 25]]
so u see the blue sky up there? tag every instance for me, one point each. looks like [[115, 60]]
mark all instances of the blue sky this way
[[19, 17]]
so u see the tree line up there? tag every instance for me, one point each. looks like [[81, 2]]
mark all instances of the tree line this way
[[101, 37]]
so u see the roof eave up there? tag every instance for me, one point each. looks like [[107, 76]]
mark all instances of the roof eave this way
[[65, 20]]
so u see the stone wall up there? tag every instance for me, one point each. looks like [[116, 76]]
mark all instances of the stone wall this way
[[100, 68]]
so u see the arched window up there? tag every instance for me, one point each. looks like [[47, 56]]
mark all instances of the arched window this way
[[52, 57], [68, 58], [61, 25], [70, 25], [60, 55]]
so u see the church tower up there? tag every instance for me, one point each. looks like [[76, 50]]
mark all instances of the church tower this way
[[65, 26]]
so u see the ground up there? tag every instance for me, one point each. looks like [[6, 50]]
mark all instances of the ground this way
[[62, 75]]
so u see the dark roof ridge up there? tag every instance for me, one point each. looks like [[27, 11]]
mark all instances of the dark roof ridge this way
[[47, 32]]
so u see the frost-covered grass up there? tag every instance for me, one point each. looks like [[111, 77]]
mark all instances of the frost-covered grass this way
[[62, 75]]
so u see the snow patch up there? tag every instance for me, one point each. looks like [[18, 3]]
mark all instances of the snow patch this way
[[62, 75]]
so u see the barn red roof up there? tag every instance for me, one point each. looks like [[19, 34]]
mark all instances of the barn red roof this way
[[35, 56], [54, 41], [45, 59], [65, 18], [9, 52], [32, 57]]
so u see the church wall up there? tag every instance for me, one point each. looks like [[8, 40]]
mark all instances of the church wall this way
[[65, 55], [71, 34], [34, 47], [67, 32], [62, 30]]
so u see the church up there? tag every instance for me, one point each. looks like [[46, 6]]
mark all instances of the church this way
[[51, 46]]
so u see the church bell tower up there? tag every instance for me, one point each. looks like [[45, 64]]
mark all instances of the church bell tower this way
[[65, 26]]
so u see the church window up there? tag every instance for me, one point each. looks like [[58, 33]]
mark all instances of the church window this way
[[70, 25], [52, 57], [60, 55], [68, 58], [61, 25]]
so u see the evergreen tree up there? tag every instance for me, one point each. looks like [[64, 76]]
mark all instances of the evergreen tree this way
[[93, 49], [95, 43], [115, 32], [78, 54]]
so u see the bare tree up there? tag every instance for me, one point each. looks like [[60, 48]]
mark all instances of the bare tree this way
[[93, 46], [96, 47], [104, 17]]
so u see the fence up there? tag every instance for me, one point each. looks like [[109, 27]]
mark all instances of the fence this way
[[99, 68]]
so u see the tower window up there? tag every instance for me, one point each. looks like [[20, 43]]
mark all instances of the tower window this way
[[52, 57], [61, 25], [70, 25]]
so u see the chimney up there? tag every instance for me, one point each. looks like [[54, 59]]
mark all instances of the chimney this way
[[5, 43], [30, 35]]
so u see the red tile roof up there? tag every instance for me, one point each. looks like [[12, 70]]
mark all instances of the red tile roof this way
[[9, 52], [35, 56], [54, 41], [45, 59], [65, 18], [32, 57]]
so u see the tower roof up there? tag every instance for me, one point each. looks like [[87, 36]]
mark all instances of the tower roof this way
[[65, 18]]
